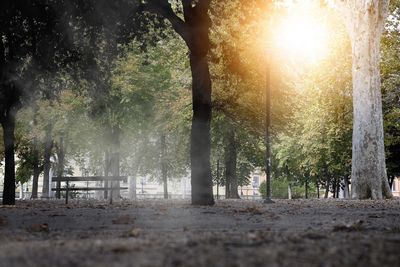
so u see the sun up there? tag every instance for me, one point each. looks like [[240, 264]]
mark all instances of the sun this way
[[301, 35]]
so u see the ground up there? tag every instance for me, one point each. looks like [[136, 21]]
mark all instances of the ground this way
[[175, 233]]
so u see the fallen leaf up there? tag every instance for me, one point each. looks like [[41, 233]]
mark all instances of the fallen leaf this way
[[120, 249], [3, 222], [135, 232], [124, 219], [314, 236], [44, 227], [356, 226]]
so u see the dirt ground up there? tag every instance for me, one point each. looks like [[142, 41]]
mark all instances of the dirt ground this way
[[173, 233]]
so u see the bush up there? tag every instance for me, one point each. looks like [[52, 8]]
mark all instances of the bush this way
[[279, 189]]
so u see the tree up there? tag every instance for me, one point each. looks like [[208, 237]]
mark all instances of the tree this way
[[31, 43], [365, 22], [152, 82], [194, 31]]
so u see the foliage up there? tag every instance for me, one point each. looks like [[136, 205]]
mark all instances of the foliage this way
[[390, 69], [279, 189], [317, 143], [153, 84]]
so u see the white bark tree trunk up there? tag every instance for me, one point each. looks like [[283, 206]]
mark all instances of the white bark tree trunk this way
[[365, 22], [132, 187]]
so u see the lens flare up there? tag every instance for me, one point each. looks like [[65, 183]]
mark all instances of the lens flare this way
[[301, 36]]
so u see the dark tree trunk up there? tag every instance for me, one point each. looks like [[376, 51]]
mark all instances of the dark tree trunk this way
[[35, 163], [317, 185], [334, 184], [164, 165], [106, 171], [8, 124], [327, 183], [306, 188], [227, 188], [346, 187], [48, 145], [218, 179], [230, 165], [114, 161], [202, 193], [36, 168], [61, 163]]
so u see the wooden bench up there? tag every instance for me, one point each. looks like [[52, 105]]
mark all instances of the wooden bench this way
[[68, 179]]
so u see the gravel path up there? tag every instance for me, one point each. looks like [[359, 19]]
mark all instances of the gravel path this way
[[174, 233]]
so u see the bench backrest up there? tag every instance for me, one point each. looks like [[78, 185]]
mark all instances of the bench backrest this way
[[88, 178]]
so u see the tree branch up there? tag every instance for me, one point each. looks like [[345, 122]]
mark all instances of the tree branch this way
[[164, 9]]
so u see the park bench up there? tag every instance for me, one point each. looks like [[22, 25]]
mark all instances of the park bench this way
[[68, 188]]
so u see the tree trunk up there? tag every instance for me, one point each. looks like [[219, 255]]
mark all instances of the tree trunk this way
[[202, 186], [306, 188], [114, 162], [230, 164], [227, 188], [327, 183], [132, 187], [391, 180], [365, 21], [317, 185], [218, 178], [61, 163], [289, 189], [36, 169], [164, 165], [106, 171], [8, 124], [21, 190], [48, 145], [334, 184], [346, 187]]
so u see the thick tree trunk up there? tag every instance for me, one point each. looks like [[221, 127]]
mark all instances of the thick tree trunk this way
[[317, 185], [230, 164], [48, 145], [8, 124], [164, 165], [202, 185], [289, 189], [365, 21]]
